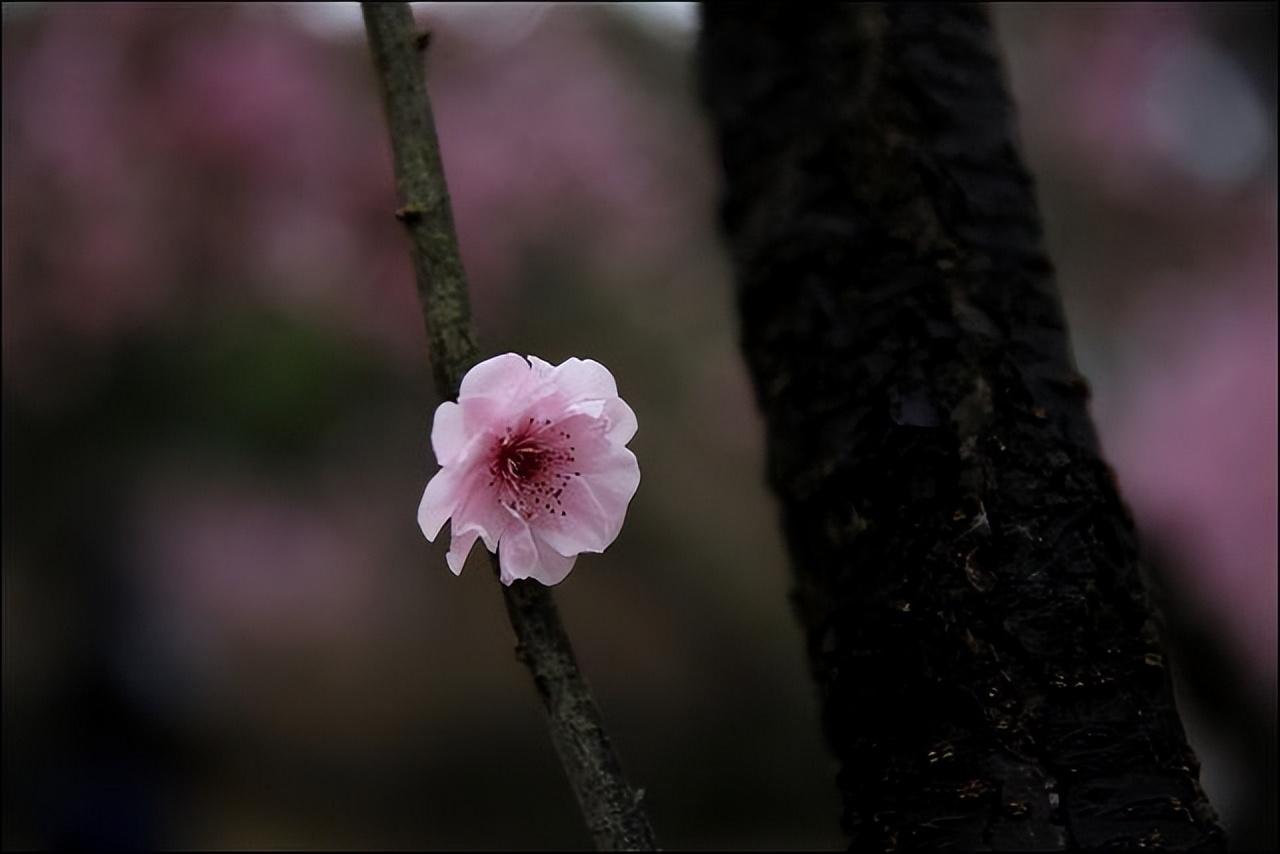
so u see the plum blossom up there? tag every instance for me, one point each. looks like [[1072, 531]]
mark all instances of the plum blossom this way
[[533, 461]]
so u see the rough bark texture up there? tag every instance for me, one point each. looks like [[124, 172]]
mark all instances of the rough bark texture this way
[[613, 811], [965, 571], [426, 212]]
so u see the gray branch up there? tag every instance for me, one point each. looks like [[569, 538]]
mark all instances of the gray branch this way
[[612, 810]]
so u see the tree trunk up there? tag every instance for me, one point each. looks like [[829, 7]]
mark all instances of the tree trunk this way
[[966, 574]]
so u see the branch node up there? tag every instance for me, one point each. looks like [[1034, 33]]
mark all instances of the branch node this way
[[409, 213], [422, 40]]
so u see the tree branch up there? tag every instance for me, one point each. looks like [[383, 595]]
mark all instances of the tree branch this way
[[966, 573], [612, 810]]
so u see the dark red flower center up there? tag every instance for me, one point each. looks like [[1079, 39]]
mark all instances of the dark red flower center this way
[[520, 460], [530, 467]]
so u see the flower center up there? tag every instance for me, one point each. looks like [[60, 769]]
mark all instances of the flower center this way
[[520, 460], [530, 468]]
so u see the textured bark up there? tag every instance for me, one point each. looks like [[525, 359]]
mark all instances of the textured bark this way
[[426, 213], [967, 576], [613, 811]]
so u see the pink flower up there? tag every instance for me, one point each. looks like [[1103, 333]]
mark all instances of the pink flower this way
[[533, 462]]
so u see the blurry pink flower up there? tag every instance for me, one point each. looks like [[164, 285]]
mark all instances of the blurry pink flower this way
[[533, 461]]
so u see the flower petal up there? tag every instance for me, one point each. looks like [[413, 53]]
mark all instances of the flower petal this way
[[584, 379], [502, 376], [594, 505], [517, 554], [589, 408], [552, 567], [541, 367], [523, 555], [449, 488], [585, 527], [439, 499], [448, 436], [622, 421], [612, 479], [482, 511], [481, 415], [460, 543]]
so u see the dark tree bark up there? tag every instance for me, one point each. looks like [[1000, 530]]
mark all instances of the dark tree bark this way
[[967, 576]]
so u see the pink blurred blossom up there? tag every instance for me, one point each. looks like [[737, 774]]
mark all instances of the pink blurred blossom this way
[[1194, 441], [232, 563], [160, 159], [166, 157], [551, 132], [1145, 108]]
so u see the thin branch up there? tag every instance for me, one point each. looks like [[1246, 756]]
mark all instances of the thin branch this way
[[613, 811]]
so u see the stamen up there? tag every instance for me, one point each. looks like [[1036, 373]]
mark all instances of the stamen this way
[[528, 468]]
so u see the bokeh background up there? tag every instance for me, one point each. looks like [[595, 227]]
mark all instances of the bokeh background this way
[[222, 627]]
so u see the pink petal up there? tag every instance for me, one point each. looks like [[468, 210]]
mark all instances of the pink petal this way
[[439, 499], [585, 527], [541, 368], [460, 543], [523, 555], [448, 437], [517, 554], [584, 379], [622, 421], [502, 376], [450, 487], [612, 478], [483, 415], [591, 408], [481, 511], [594, 504], [552, 567]]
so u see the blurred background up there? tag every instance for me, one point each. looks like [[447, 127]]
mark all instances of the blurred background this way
[[221, 625]]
